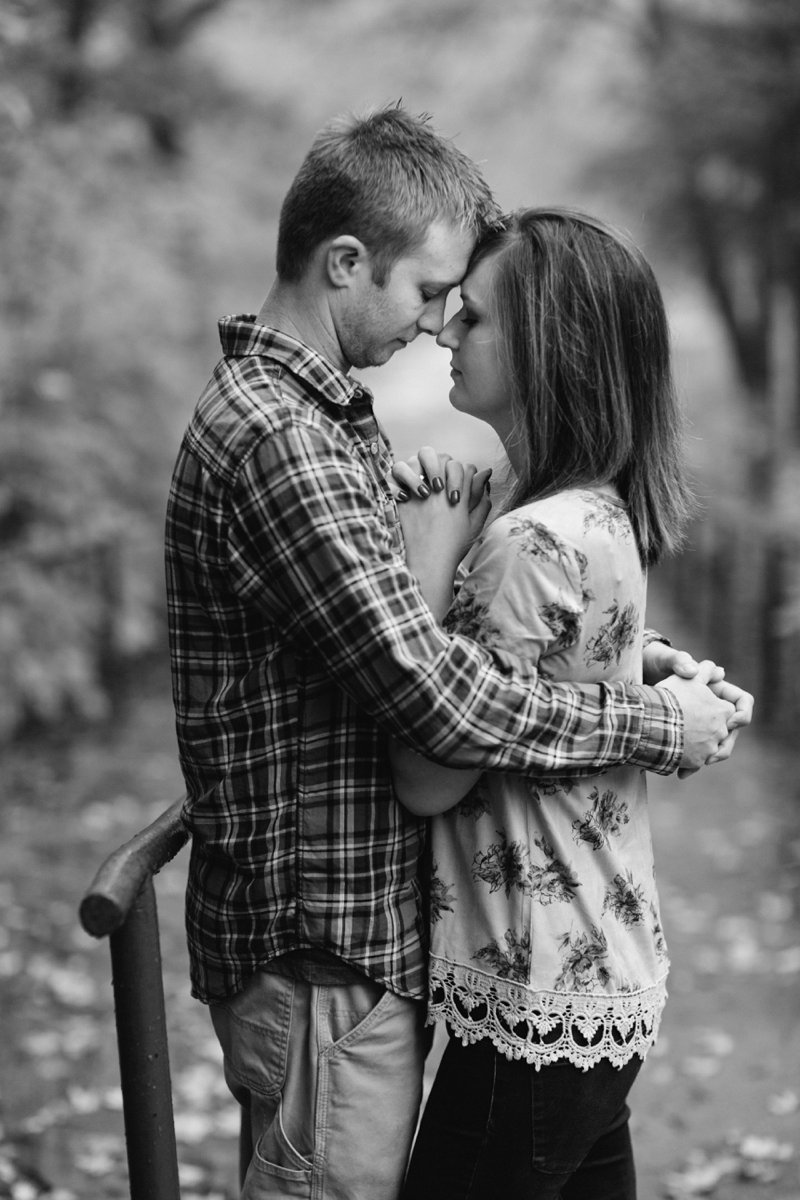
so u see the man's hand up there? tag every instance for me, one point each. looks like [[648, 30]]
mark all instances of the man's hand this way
[[707, 734], [743, 704], [661, 660]]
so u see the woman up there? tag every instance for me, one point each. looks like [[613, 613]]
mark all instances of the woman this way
[[548, 962]]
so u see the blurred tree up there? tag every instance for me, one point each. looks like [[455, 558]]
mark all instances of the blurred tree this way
[[82, 426], [101, 250], [69, 54], [163, 27], [711, 120]]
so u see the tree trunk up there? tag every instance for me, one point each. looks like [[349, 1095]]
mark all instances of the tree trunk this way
[[71, 83]]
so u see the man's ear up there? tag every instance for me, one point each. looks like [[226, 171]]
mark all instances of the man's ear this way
[[346, 258]]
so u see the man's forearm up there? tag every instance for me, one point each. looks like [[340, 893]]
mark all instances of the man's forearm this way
[[550, 729]]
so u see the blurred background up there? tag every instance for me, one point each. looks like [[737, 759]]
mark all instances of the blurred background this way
[[145, 147]]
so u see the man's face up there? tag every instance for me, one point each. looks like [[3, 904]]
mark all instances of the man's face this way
[[376, 321]]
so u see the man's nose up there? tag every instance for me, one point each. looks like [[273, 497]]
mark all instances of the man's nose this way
[[446, 338], [432, 318]]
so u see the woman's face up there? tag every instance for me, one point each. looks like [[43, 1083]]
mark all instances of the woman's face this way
[[479, 382]]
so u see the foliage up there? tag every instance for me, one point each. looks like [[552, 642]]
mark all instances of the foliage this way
[[79, 428], [710, 146], [136, 186], [67, 56], [100, 258]]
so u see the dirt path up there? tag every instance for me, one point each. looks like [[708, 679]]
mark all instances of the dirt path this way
[[718, 1103], [716, 1107], [723, 1083]]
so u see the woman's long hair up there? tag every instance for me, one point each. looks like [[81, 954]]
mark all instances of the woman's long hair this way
[[585, 341]]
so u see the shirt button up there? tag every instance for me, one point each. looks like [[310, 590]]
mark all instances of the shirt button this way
[[373, 447]]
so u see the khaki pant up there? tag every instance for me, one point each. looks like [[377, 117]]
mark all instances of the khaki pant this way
[[332, 1078]]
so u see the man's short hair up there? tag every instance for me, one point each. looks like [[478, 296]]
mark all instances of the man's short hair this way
[[384, 178]]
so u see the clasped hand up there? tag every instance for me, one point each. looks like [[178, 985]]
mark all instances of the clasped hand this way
[[714, 709], [443, 506]]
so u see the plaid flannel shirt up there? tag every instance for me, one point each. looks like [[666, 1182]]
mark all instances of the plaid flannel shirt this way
[[299, 642]]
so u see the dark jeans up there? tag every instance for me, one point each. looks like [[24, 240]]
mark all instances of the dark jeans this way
[[499, 1130]]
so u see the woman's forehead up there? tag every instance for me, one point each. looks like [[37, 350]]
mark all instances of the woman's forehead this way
[[477, 283]]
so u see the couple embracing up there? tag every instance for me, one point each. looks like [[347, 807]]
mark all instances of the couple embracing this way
[[414, 732]]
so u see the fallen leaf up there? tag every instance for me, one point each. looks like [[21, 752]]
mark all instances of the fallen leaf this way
[[775, 907], [701, 1176], [100, 1154], [787, 962], [83, 1100], [192, 1128], [755, 1147], [700, 1067], [716, 1041], [190, 1175], [783, 1104]]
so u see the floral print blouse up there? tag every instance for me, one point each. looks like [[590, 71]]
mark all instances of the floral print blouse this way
[[546, 935]]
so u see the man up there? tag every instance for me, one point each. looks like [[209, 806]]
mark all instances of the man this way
[[300, 643]]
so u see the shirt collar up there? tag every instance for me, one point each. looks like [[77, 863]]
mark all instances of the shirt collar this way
[[242, 336]]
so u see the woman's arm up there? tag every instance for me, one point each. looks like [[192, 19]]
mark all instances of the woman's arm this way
[[426, 787], [437, 535]]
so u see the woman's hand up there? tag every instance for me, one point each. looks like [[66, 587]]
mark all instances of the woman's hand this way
[[443, 507], [428, 471], [660, 660]]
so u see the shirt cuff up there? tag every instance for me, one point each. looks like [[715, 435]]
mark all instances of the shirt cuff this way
[[652, 635], [660, 747]]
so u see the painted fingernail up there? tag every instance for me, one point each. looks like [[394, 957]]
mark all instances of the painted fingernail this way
[[402, 497], [455, 496], [423, 491], [437, 483], [488, 488]]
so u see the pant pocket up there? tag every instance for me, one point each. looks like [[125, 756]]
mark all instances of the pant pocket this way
[[344, 1010], [275, 1158], [254, 1029]]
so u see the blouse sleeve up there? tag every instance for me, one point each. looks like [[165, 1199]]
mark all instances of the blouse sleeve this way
[[525, 591]]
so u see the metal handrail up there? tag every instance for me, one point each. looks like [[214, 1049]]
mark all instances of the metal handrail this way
[[121, 905], [108, 901]]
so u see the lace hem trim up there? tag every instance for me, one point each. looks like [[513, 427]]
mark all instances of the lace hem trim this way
[[543, 1027]]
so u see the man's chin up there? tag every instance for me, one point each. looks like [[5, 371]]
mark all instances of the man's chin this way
[[378, 358]]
